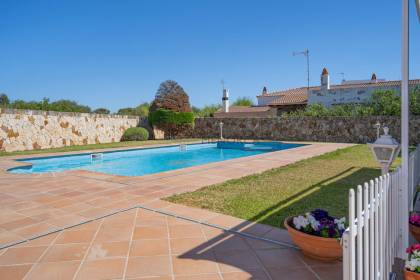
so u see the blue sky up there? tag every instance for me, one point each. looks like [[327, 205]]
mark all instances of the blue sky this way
[[115, 53]]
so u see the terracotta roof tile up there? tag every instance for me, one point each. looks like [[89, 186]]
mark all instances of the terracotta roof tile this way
[[246, 109], [300, 96], [291, 97]]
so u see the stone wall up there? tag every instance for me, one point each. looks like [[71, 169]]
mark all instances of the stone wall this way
[[326, 129], [27, 130]]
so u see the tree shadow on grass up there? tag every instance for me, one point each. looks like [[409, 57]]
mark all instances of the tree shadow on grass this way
[[262, 260], [330, 194]]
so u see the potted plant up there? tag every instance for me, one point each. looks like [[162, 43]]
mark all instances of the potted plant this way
[[415, 225], [317, 234], [412, 264]]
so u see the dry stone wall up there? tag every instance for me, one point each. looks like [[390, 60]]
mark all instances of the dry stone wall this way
[[318, 129], [27, 130]]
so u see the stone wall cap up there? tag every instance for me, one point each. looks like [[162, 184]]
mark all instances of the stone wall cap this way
[[67, 114]]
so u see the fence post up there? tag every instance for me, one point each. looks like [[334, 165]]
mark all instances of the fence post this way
[[403, 215]]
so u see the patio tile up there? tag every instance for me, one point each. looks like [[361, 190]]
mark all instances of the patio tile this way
[[184, 231], [150, 233], [212, 276], [9, 237], [192, 264], [108, 250], [254, 275], [287, 258], [14, 272], [53, 271], [21, 255], [102, 269], [110, 234], [329, 272], [261, 244], [18, 223], [66, 220], [237, 261], [148, 266], [65, 252], [75, 236], [229, 243], [42, 241], [285, 273], [35, 230], [152, 278], [145, 247], [183, 245]]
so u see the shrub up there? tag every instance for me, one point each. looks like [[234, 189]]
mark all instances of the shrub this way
[[141, 110], [135, 134], [243, 101], [415, 101], [164, 117], [386, 103], [206, 111]]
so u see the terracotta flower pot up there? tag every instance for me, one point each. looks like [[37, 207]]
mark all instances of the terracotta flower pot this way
[[409, 275], [320, 248], [415, 232]]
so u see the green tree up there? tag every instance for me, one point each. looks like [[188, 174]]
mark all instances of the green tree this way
[[243, 101], [386, 103], [4, 100], [65, 105], [141, 110], [104, 111], [415, 101], [206, 111]]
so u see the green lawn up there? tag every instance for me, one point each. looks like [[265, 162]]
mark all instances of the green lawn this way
[[271, 196], [98, 146]]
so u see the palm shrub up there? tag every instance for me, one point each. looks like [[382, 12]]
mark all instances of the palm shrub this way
[[135, 134]]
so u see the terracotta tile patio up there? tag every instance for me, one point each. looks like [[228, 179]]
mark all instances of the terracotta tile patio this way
[[162, 248], [134, 242]]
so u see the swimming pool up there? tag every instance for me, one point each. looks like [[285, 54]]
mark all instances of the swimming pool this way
[[139, 162]]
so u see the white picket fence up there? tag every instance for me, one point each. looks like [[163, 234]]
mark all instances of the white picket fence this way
[[373, 239]]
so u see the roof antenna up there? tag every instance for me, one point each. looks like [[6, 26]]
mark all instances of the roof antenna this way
[[342, 77], [305, 53]]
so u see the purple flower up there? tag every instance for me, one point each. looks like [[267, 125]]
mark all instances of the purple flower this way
[[319, 214], [319, 223], [331, 231]]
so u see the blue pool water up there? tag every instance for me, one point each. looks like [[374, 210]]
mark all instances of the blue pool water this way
[[151, 160]]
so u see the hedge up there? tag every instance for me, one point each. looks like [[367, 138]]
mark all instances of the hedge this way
[[167, 117]]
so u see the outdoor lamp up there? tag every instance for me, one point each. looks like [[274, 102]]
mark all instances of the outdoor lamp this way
[[221, 130], [385, 149]]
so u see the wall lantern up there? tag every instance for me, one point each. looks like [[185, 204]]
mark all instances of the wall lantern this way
[[221, 130], [385, 149]]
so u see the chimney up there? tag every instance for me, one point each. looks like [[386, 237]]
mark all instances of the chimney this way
[[373, 79], [264, 91], [225, 101], [325, 80]]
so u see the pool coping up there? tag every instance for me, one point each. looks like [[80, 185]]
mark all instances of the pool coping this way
[[148, 190], [8, 163]]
